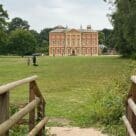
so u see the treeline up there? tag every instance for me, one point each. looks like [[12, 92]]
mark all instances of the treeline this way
[[16, 38], [123, 20]]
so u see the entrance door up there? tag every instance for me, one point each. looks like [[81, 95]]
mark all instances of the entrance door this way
[[73, 52]]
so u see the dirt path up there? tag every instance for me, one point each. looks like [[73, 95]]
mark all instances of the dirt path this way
[[74, 131]]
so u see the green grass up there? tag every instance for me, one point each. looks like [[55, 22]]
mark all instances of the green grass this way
[[75, 88]]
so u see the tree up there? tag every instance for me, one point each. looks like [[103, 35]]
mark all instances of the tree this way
[[108, 38], [35, 34], [124, 33], [3, 35], [18, 23], [37, 37], [3, 17], [22, 42], [101, 38], [44, 40], [3, 43], [44, 34]]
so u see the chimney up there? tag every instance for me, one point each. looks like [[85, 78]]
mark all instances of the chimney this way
[[89, 27], [81, 27]]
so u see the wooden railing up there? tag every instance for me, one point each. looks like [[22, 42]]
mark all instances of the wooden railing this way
[[130, 117], [36, 100]]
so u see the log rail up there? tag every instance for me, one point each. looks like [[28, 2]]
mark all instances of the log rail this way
[[130, 118], [36, 100]]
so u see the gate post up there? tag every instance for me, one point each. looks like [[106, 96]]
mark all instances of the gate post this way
[[32, 113], [130, 115], [4, 109]]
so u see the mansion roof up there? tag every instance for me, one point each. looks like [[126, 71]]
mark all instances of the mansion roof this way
[[67, 30]]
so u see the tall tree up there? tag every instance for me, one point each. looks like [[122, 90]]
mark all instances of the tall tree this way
[[3, 35], [3, 43], [35, 34], [3, 17], [101, 37], [44, 40], [123, 20], [108, 37], [18, 23], [44, 34], [22, 42], [37, 38]]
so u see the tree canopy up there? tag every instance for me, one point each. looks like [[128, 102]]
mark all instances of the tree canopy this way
[[101, 37], [3, 27], [18, 23], [3, 43], [44, 40], [22, 42], [123, 20], [44, 34], [3, 17]]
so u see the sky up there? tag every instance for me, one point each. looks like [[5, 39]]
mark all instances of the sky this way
[[49, 13]]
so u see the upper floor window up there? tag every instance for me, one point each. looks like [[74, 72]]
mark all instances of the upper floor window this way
[[53, 42], [78, 42], [73, 42]]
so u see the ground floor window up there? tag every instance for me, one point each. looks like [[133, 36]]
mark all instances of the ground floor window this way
[[77, 50], [62, 52], [94, 50], [58, 51], [89, 51], [69, 51], [53, 51], [84, 51]]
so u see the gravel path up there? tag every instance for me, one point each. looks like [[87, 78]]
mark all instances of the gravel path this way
[[74, 131]]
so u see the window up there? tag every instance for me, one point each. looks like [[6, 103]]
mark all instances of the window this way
[[63, 42], [84, 51], [78, 42], [68, 51], [88, 50], [83, 42], [53, 42], [77, 50], [62, 51], [53, 51], [73, 42], [68, 42], [58, 50]]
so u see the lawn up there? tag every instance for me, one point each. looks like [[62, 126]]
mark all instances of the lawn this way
[[75, 88]]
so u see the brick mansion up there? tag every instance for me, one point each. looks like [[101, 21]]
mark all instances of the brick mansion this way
[[67, 42]]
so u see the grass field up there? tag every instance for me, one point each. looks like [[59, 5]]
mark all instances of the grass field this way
[[80, 89]]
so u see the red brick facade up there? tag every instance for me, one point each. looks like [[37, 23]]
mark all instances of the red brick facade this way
[[66, 42]]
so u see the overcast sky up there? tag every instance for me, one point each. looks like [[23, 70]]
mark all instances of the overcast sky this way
[[49, 13]]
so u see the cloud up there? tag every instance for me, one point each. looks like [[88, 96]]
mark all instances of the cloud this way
[[48, 13]]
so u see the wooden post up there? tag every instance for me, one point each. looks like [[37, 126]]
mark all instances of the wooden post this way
[[44, 104], [4, 109], [40, 116], [40, 107], [32, 113], [130, 115]]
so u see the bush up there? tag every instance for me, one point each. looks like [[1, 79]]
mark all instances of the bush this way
[[17, 130], [109, 108]]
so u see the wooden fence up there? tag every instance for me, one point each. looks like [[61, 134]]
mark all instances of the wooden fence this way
[[130, 117], [36, 101]]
